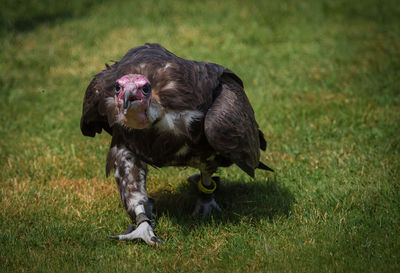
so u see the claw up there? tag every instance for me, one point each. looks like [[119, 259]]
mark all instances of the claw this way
[[144, 231], [157, 241], [206, 203], [205, 206], [129, 229]]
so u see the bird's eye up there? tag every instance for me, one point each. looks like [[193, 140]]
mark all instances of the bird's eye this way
[[146, 89], [117, 88]]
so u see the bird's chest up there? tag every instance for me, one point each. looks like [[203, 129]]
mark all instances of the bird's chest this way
[[159, 150], [175, 140]]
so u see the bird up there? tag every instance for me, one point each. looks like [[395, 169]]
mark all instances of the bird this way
[[163, 110]]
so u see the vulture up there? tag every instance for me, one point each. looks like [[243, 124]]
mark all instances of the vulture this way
[[162, 110]]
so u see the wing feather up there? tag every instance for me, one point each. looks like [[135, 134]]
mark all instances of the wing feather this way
[[94, 114], [230, 125]]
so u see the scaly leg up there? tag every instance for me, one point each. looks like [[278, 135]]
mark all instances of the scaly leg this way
[[130, 174]]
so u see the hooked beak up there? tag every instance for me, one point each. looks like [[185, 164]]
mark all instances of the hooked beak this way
[[130, 101]]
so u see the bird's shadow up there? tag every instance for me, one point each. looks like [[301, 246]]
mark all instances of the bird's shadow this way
[[250, 201]]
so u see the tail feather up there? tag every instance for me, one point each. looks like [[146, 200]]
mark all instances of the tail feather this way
[[263, 143], [264, 167]]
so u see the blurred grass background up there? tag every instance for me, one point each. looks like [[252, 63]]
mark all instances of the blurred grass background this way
[[323, 78]]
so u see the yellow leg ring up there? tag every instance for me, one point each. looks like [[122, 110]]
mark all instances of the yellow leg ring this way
[[203, 189]]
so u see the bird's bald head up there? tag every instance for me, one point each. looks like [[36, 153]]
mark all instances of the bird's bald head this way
[[132, 96]]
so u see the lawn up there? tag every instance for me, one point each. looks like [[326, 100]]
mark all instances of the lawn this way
[[324, 80]]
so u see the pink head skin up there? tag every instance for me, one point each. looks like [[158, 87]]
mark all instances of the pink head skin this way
[[132, 97]]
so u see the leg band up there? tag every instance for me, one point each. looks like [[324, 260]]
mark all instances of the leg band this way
[[140, 218]]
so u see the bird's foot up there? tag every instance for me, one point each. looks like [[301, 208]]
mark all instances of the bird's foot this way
[[205, 206], [143, 231], [206, 201]]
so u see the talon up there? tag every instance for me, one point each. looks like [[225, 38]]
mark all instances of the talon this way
[[156, 241], [129, 229], [206, 206], [144, 231]]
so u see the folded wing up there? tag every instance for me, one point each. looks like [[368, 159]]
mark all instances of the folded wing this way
[[230, 125]]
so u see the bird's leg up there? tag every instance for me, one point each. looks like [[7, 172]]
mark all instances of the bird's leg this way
[[130, 174], [206, 186]]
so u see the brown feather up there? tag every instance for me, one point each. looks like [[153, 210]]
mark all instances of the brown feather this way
[[228, 128]]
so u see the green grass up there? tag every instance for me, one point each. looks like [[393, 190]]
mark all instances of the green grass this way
[[324, 80]]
